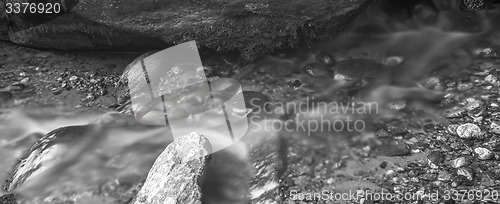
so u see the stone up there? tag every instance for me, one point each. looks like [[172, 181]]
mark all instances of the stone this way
[[443, 176], [435, 159], [492, 79], [357, 68], [483, 153], [472, 104], [466, 172], [391, 147], [8, 199], [468, 130], [177, 174], [253, 28], [495, 127], [460, 162], [452, 129], [317, 70]]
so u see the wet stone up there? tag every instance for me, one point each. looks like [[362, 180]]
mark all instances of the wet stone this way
[[454, 112], [435, 158], [495, 127], [17, 87], [177, 174], [492, 79], [468, 130], [443, 176], [452, 129], [460, 162], [465, 86], [318, 70], [391, 147], [472, 104], [483, 153], [357, 68], [466, 172], [325, 58]]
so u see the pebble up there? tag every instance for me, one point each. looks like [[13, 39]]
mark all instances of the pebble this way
[[397, 104], [452, 129], [454, 112], [391, 147], [5, 96], [17, 87], [444, 176], [460, 162], [483, 153], [466, 172], [468, 130], [73, 78], [393, 61], [357, 68], [495, 128], [472, 104], [492, 79], [325, 58], [318, 70], [434, 159], [464, 86]]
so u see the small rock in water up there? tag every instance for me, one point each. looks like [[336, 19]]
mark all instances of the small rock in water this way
[[468, 130], [492, 79], [473, 104], [435, 158], [397, 104], [318, 70], [452, 129], [459, 162], [325, 58], [444, 176], [483, 153], [466, 172], [495, 128], [465, 86], [454, 112], [17, 87], [391, 147], [5, 96], [177, 174], [357, 68]]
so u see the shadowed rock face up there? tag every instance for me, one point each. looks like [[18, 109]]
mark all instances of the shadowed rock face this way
[[251, 27]]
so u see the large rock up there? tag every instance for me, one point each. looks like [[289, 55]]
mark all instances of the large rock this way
[[252, 27], [177, 174]]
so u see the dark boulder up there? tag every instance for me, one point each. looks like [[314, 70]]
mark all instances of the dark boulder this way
[[251, 27]]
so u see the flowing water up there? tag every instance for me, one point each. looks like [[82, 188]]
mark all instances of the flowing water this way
[[106, 154]]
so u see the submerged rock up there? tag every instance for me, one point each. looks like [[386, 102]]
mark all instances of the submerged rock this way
[[356, 69], [177, 174]]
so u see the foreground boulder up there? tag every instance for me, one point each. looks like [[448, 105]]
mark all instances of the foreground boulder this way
[[250, 27], [177, 174]]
